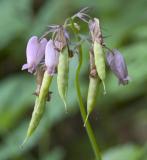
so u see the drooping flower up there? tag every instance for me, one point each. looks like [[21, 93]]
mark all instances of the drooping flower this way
[[95, 31], [51, 57], [34, 52], [61, 39], [118, 66]]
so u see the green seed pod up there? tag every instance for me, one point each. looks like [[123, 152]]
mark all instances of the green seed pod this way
[[62, 76], [100, 62], [92, 94], [39, 105], [36, 116], [93, 86]]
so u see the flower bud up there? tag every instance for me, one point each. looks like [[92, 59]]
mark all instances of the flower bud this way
[[118, 66], [51, 57], [35, 52]]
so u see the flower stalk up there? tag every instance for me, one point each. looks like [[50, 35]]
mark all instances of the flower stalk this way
[[47, 57], [88, 127]]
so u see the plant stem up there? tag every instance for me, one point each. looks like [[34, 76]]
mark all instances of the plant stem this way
[[81, 104], [83, 113]]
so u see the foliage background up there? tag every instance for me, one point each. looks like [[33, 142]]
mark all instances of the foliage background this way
[[119, 120]]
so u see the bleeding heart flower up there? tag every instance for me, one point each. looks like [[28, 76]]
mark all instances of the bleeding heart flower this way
[[51, 57], [118, 66], [34, 52]]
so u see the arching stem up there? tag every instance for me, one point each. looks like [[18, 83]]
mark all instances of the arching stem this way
[[88, 127]]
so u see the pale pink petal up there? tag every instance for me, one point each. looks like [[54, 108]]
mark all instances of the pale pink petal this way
[[35, 52], [51, 57], [32, 49], [41, 50], [25, 66]]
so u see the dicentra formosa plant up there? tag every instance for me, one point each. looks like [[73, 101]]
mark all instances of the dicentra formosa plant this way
[[49, 56]]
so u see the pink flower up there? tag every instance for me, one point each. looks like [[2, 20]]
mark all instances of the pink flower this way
[[51, 57], [34, 52]]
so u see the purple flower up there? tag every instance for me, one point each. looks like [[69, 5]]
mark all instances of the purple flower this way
[[51, 57], [118, 66], [35, 52]]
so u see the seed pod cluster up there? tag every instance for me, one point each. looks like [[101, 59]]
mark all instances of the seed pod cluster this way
[[98, 43], [53, 55]]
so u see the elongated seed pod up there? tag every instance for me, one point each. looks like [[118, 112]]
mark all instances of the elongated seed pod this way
[[39, 105], [62, 76], [100, 62], [92, 94]]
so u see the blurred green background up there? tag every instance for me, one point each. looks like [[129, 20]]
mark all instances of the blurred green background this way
[[120, 117]]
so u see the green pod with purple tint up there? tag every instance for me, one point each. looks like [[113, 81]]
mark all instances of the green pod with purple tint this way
[[62, 76], [92, 95], [100, 62]]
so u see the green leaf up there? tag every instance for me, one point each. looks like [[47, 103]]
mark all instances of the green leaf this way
[[56, 154], [14, 17], [126, 152], [15, 97]]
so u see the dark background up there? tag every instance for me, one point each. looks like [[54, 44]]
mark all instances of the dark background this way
[[119, 119]]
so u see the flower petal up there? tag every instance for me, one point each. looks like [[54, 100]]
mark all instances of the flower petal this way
[[25, 66], [51, 57], [35, 52], [41, 50], [118, 66], [32, 49], [109, 57]]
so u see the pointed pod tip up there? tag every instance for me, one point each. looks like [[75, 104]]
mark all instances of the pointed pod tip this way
[[24, 142], [86, 120], [65, 105], [104, 88]]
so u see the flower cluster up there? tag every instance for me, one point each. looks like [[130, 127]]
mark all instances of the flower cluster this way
[[48, 57], [35, 53], [37, 50]]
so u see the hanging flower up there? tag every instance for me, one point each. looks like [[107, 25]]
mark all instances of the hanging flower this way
[[61, 39], [95, 31], [34, 52], [118, 66], [51, 57]]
